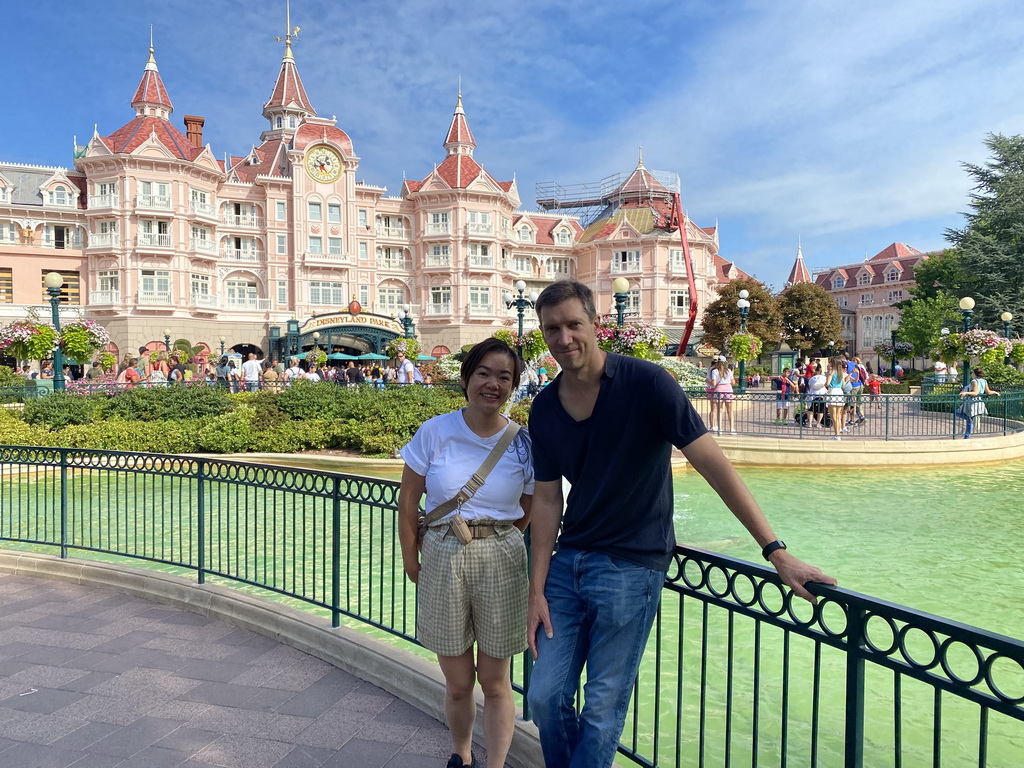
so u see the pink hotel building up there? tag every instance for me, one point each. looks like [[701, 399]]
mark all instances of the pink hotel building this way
[[151, 232]]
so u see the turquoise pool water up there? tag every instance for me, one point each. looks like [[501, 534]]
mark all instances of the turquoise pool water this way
[[947, 541]]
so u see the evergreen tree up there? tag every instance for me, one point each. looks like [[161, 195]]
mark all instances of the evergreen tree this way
[[722, 318], [991, 244]]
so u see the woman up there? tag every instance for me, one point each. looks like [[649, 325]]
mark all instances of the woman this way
[[223, 373], [836, 398], [294, 372], [973, 406], [720, 380], [235, 383], [131, 374], [313, 374], [270, 376], [474, 593], [47, 370]]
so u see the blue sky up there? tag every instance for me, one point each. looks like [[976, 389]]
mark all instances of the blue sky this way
[[841, 124]]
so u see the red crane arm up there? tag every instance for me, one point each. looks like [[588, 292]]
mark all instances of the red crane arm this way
[[678, 221]]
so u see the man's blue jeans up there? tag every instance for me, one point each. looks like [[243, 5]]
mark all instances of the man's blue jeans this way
[[602, 609]]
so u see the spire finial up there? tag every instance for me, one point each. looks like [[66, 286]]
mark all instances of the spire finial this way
[[289, 32], [640, 160], [458, 102], [151, 64]]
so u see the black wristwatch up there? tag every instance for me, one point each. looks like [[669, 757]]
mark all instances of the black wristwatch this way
[[771, 547]]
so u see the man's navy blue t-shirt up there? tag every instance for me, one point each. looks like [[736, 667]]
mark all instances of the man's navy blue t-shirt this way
[[617, 460]]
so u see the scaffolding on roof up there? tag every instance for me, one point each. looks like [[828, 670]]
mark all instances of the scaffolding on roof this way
[[594, 199]]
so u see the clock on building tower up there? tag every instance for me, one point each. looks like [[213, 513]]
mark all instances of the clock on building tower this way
[[323, 164]]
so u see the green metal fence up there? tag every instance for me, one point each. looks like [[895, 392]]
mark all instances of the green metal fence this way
[[737, 672], [931, 415]]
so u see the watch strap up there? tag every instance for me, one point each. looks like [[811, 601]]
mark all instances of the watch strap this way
[[772, 547]]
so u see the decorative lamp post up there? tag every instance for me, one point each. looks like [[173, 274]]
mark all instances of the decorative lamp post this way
[[967, 307], [893, 339], [222, 340], [520, 302], [1006, 317], [406, 319], [743, 304], [167, 339], [53, 282], [316, 339], [620, 291]]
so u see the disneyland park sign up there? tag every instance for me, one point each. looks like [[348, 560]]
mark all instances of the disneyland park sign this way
[[352, 320]]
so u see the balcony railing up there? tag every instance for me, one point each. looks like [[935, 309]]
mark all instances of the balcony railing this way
[[205, 300], [104, 240], [154, 202], [439, 309], [481, 261], [619, 267], [394, 262], [400, 233], [439, 229], [104, 297], [439, 261], [243, 220], [242, 254], [202, 209], [158, 298], [153, 240], [202, 245], [479, 229], [481, 309], [736, 671], [103, 201], [245, 304], [342, 258]]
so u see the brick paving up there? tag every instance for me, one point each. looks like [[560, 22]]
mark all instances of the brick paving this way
[[97, 679]]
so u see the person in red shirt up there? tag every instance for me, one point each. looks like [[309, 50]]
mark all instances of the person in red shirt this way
[[131, 373], [874, 388]]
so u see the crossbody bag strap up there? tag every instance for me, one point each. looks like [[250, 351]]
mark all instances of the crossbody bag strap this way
[[478, 478]]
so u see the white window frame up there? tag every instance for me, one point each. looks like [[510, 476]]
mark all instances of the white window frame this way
[[315, 213], [333, 213], [282, 209], [626, 261]]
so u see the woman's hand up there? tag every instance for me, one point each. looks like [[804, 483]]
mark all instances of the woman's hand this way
[[412, 570]]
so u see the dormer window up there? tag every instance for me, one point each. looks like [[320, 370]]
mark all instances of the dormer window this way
[[291, 121], [564, 238], [3, 194], [864, 279], [59, 196], [280, 122], [525, 235], [892, 276], [838, 283]]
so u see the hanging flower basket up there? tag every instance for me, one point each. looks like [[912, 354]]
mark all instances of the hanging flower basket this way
[[951, 348], [641, 340], [410, 347], [316, 355], [978, 341], [80, 340], [743, 346], [530, 346], [27, 339], [903, 349]]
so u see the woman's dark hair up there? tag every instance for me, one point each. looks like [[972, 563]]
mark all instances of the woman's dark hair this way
[[476, 355], [223, 360], [979, 373]]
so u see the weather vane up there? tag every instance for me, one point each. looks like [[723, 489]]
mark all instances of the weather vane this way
[[290, 31]]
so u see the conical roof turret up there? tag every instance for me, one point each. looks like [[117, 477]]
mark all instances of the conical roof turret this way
[[151, 97], [460, 139]]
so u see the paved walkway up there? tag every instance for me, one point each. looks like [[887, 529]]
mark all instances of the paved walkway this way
[[96, 679]]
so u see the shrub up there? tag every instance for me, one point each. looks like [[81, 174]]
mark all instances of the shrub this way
[[231, 432], [520, 412], [14, 431], [119, 435], [60, 409], [307, 400], [10, 378], [174, 403]]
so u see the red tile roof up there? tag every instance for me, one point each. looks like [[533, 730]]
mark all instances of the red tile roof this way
[[641, 181], [727, 271], [151, 88], [271, 158], [459, 132], [310, 133], [799, 273], [895, 251], [288, 90], [131, 136]]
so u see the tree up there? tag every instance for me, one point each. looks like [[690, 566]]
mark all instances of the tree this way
[[810, 318], [922, 320], [722, 318], [991, 244], [942, 273]]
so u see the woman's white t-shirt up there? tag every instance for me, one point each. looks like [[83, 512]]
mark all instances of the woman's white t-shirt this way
[[447, 453]]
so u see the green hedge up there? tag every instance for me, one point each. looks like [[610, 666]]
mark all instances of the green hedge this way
[[200, 419]]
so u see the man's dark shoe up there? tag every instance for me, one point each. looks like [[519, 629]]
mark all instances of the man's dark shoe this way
[[455, 761]]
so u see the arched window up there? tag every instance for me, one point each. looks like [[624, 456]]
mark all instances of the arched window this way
[[838, 282], [892, 276], [280, 121], [291, 121]]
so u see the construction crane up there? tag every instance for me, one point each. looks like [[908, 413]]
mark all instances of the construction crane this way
[[601, 199]]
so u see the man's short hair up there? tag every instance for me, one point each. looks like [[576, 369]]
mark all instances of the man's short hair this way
[[563, 290]]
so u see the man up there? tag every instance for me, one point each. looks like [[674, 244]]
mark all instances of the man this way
[[940, 371], [251, 370], [406, 370], [607, 423]]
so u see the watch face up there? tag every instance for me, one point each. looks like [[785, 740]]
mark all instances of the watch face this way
[[323, 164]]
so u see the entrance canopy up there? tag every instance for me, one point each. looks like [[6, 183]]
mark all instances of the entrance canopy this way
[[351, 332]]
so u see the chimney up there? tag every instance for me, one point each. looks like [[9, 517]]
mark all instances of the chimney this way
[[194, 130]]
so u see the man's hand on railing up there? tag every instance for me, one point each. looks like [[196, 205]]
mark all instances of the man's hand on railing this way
[[795, 573]]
